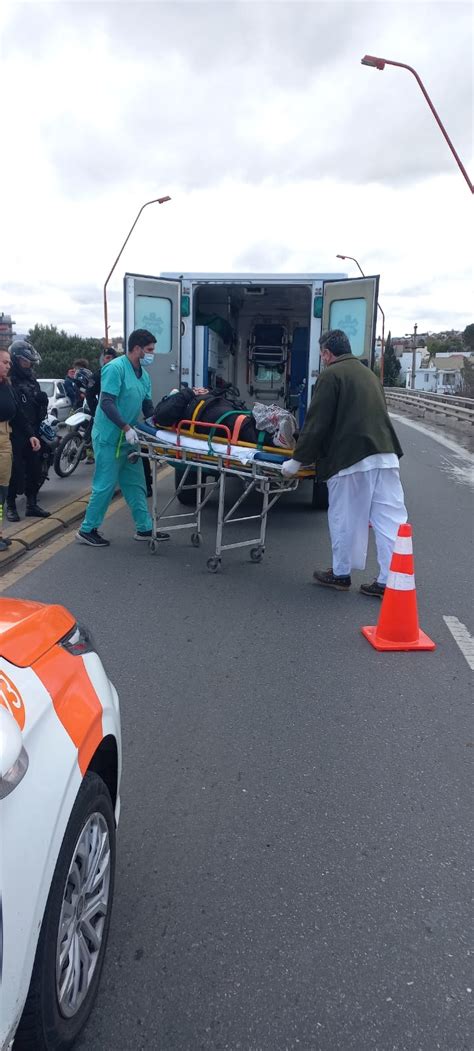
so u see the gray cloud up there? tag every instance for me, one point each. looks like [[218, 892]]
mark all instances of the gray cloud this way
[[195, 106]]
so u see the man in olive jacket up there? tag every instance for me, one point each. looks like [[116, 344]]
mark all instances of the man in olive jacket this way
[[348, 433]]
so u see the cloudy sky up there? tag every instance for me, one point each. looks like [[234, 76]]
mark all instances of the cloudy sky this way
[[278, 148]]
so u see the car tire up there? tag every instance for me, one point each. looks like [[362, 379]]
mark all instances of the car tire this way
[[49, 1023]]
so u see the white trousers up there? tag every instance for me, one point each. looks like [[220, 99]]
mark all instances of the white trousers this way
[[374, 496]]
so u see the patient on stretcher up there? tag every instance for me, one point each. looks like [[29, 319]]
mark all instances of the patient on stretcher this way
[[265, 425]]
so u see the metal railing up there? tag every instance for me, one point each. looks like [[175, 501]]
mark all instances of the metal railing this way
[[443, 404]]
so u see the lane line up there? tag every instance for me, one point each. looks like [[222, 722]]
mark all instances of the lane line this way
[[448, 443], [38, 558], [463, 638]]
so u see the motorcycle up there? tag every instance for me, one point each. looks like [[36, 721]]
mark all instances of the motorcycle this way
[[72, 448], [49, 441]]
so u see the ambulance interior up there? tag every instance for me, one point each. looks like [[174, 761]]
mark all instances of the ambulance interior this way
[[257, 340]]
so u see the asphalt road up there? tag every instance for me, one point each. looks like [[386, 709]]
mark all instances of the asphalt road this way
[[292, 862]]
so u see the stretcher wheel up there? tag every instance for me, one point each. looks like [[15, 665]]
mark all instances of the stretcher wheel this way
[[152, 547], [213, 564], [196, 539], [256, 554]]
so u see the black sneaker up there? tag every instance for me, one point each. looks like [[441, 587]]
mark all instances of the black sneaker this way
[[375, 590], [4, 545], [94, 539], [328, 580], [35, 511], [146, 534], [12, 513]]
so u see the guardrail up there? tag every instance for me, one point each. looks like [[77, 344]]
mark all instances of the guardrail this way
[[443, 404]]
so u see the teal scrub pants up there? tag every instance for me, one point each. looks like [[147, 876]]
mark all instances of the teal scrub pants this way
[[112, 471]]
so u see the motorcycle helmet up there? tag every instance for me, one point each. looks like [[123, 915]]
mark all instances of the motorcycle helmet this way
[[84, 379], [47, 433], [20, 348]]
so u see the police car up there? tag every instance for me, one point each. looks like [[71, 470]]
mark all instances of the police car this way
[[60, 764]]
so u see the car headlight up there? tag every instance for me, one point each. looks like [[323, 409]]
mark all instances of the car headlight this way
[[78, 641]]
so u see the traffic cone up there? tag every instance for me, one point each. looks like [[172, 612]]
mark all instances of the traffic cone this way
[[398, 627]]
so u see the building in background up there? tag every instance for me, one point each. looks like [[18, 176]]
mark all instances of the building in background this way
[[6, 330]]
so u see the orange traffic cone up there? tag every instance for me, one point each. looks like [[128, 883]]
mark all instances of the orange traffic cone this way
[[398, 627]]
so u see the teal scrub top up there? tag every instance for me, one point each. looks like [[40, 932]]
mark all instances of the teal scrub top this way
[[119, 378]]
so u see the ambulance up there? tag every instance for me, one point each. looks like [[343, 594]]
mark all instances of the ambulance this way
[[60, 764], [254, 334]]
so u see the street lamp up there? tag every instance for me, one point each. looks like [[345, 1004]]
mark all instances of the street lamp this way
[[413, 356], [380, 63], [156, 200], [352, 258]]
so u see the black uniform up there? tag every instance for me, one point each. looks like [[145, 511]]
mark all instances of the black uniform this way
[[33, 405]]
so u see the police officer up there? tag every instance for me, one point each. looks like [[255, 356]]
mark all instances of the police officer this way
[[33, 402]]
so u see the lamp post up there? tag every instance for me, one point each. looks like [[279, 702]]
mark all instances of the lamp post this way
[[380, 63], [352, 258], [156, 200], [413, 356]]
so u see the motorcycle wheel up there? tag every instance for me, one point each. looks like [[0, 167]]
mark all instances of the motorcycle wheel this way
[[68, 454]]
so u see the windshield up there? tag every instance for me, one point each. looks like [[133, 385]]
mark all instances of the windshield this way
[[47, 386]]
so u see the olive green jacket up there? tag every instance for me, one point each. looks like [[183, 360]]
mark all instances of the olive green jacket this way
[[347, 419]]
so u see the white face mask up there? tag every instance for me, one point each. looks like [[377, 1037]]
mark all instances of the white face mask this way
[[147, 359]]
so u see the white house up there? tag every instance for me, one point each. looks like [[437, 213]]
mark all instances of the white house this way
[[444, 375]]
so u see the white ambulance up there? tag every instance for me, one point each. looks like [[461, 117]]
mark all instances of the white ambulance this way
[[257, 334]]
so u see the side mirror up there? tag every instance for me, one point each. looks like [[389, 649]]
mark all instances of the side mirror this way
[[13, 757]]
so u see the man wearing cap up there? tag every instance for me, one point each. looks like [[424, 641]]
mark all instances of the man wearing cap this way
[[349, 434]]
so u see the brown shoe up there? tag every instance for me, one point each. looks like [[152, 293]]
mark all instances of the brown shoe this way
[[328, 580], [374, 590]]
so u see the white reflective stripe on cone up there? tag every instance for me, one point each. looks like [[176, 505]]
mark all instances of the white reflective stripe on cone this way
[[403, 545], [401, 581]]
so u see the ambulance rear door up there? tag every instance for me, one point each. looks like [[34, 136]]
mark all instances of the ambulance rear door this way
[[351, 305], [154, 303]]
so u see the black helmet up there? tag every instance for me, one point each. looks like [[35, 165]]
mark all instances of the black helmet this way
[[20, 348], [84, 379]]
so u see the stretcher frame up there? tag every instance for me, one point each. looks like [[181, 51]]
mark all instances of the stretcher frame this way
[[257, 476]]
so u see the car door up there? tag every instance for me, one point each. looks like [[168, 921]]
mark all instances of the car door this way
[[351, 305], [154, 303], [61, 401]]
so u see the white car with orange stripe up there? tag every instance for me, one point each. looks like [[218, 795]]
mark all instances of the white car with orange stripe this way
[[60, 764]]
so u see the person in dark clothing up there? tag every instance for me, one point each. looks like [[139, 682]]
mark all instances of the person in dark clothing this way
[[9, 410], [33, 404], [93, 392], [70, 387], [349, 434]]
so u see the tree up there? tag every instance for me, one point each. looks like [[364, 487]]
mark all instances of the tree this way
[[391, 365], [468, 338], [58, 350], [468, 377]]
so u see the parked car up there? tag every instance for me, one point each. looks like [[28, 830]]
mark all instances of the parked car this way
[[59, 404], [60, 763]]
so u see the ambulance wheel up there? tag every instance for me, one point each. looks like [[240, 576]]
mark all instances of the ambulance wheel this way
[[319, 500], [152, 546], [73, 937], [196, 539], [256, 554], [213, 564]]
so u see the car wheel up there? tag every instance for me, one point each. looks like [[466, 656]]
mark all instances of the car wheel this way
[[75, 927]]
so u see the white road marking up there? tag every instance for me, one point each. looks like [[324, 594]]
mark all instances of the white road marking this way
[[464, 640]]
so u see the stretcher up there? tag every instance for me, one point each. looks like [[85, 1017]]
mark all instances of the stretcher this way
[[197, 456]]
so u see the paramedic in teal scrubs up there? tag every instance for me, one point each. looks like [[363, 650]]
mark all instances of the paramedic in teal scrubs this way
[[125, 397]]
